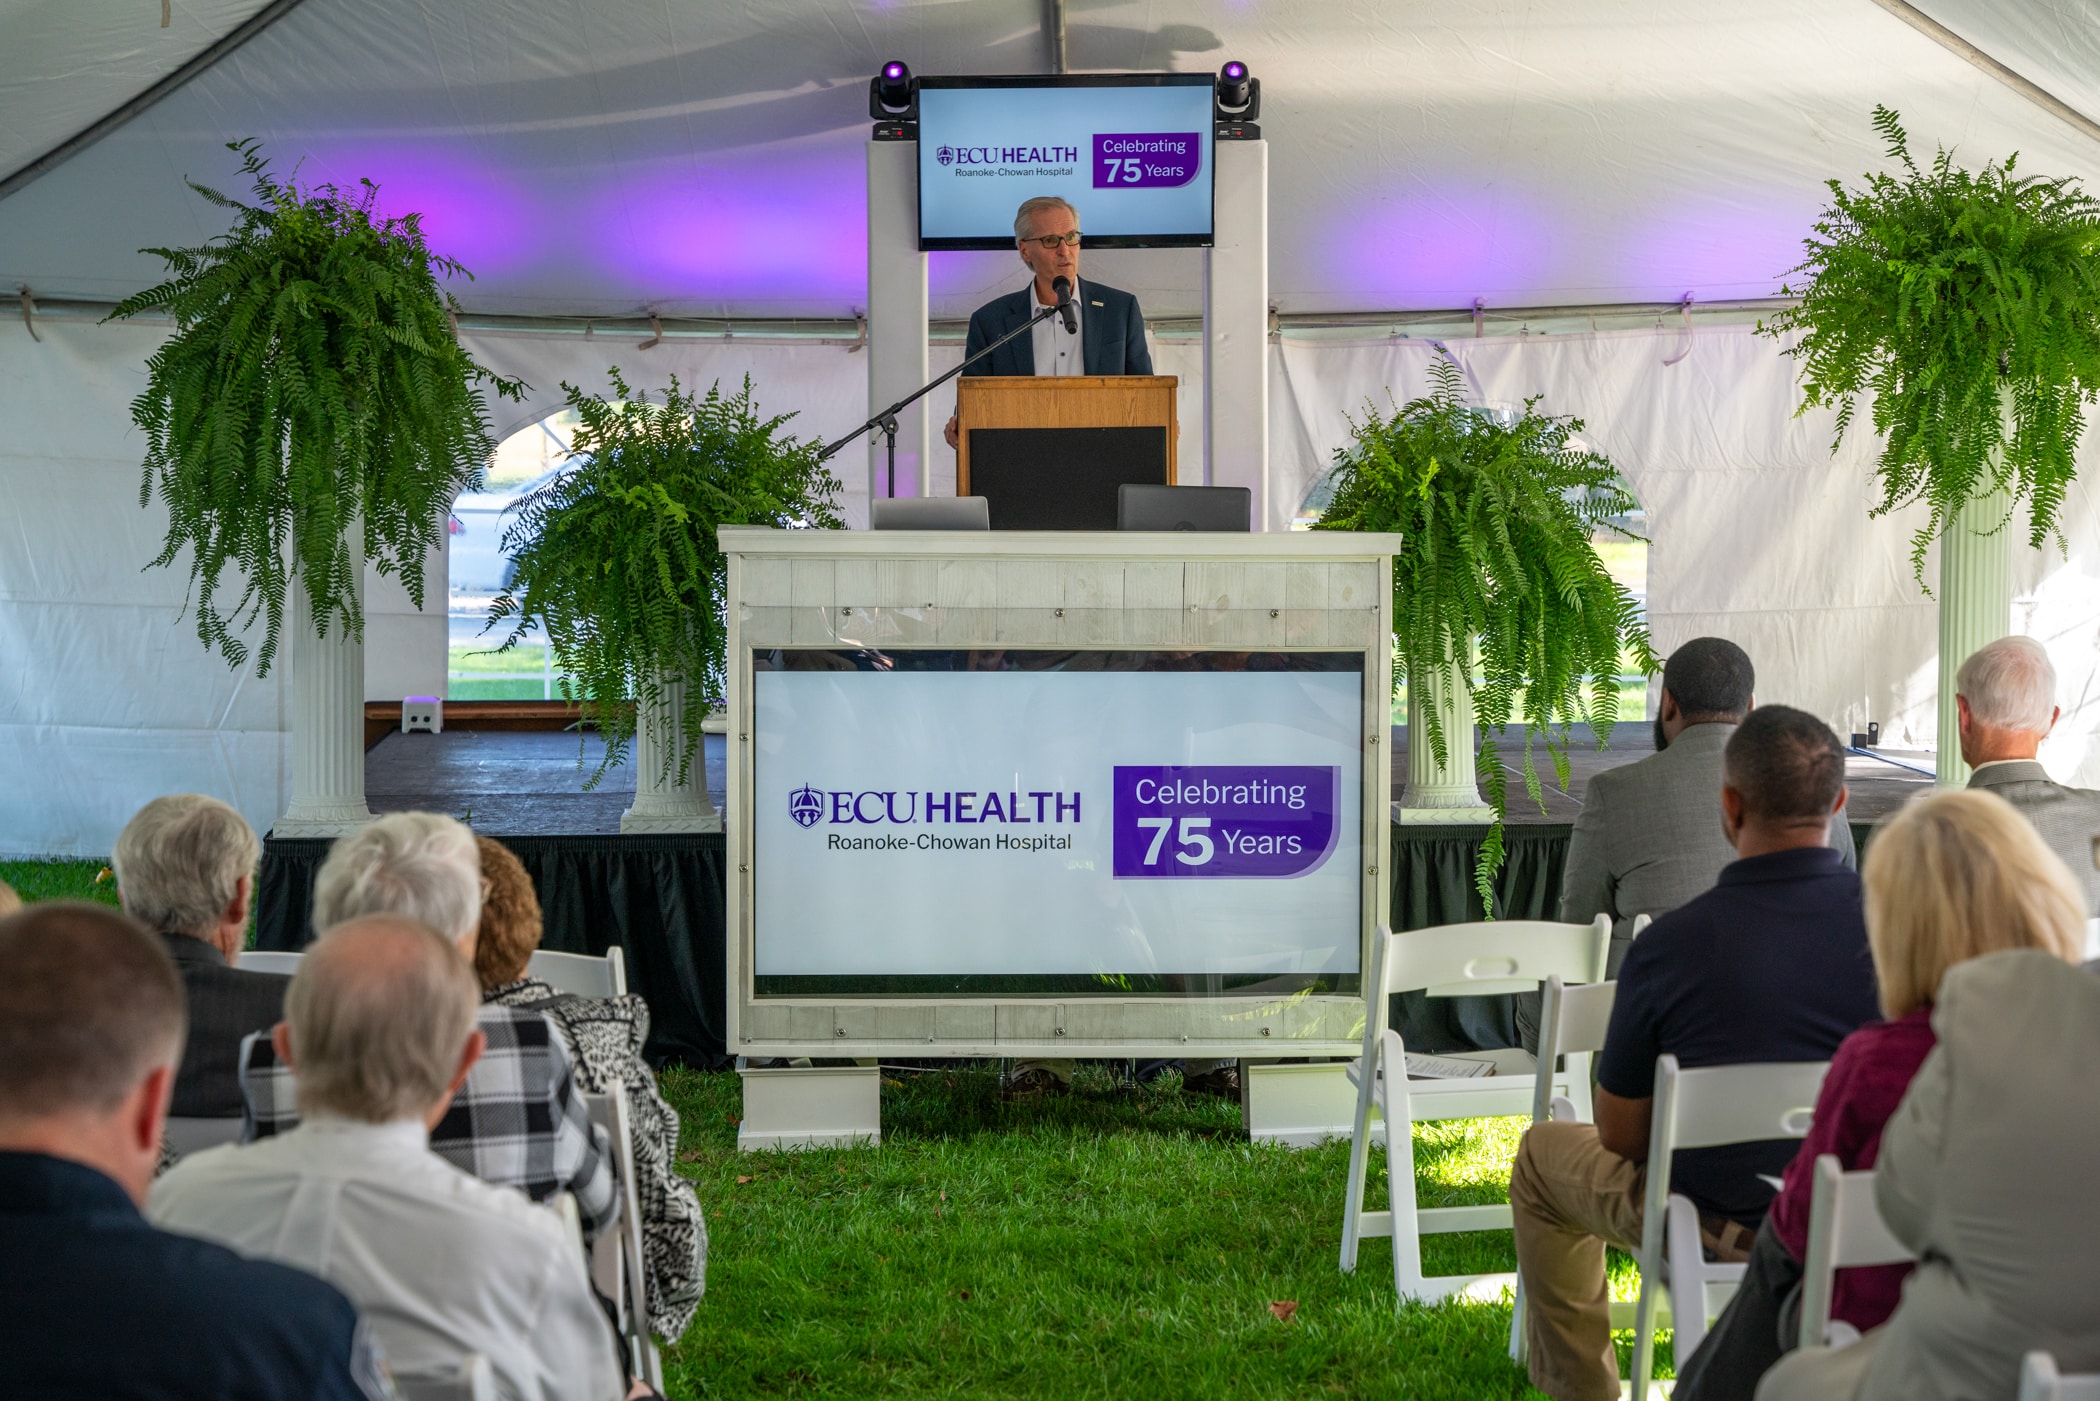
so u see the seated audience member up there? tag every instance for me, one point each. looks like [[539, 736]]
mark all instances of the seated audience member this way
[[1769, 965], [185, 868], [1986, 1172], [518, 1121], [93, 1301], [605, 1036], [380, 1028], [2005, 696], [1645, 840], [1953, 876]]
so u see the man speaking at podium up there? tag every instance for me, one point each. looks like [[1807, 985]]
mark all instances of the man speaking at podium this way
[[1111, 330]]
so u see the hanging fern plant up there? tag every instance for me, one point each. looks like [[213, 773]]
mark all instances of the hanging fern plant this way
[[313, 381], [1497, 567], [617, 560], [1966, 303]]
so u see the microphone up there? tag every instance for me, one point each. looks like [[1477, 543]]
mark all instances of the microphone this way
[[1063, 287]]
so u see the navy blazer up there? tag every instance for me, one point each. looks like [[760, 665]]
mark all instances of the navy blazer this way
[[96, 1302], [1110, 324]]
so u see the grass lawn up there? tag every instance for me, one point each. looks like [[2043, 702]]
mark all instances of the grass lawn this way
[[59, 880], [1103, 1245]]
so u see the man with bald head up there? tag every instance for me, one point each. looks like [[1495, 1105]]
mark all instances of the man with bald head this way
[[2005, 699], [380, 1029], [93, 1301]]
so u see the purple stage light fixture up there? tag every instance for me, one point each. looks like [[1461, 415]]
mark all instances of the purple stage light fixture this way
[[893, 101], [1236, 102]]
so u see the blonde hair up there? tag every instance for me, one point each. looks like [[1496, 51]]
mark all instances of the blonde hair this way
[[379, 1012], [1954, 876]]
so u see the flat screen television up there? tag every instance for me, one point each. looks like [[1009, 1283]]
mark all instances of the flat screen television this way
[[1055, 824], [1131, 151]]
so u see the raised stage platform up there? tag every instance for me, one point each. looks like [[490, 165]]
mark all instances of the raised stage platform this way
[[662, 897]]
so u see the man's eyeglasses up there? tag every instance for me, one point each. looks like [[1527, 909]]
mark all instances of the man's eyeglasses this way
[[1052, 242]]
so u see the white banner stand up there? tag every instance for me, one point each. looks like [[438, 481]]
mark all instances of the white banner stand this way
[[804, 1106], [1299, 1106], [897, 327], [1236, 332]]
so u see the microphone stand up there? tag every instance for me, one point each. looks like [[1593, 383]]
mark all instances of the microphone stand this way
[[887, 419]]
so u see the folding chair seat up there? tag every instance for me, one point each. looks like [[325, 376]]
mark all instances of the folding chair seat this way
[[1449, 961], [1704, 1108], [586, 975], [1845, 1231], [269, 961]]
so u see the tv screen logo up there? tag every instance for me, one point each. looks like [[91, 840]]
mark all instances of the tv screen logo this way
[[1220, 821]]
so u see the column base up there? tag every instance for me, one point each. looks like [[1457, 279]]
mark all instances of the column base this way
[[321, 820], [1451, 815], [657, 818]]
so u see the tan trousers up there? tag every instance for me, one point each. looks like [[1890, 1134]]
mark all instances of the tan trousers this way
[[1571, 1196]]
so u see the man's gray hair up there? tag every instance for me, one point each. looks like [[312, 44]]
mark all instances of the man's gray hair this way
[[422, 866], [180, 859], [2010, 684], [1024, 218], [378, 1015]]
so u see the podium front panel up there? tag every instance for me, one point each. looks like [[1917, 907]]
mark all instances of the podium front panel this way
[[1062, 478]]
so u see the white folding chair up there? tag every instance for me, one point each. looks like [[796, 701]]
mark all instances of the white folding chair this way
[[268, 961], [2040, 1381], [1845, 1231], [472, 1380], [1704, 1108], [586, 975], [1572, 1023], [1449, 961], [186, 1136], [617, 1267]]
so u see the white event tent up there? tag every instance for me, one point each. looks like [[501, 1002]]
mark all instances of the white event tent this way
[[1589, 202]]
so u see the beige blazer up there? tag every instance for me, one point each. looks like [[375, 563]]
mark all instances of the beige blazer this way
[[1987, 1172]]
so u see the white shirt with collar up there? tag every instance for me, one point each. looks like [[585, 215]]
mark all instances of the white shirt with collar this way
[[440, 1264], [1058, 353]]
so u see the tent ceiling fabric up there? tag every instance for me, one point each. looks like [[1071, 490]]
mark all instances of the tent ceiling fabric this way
[[706, 159]]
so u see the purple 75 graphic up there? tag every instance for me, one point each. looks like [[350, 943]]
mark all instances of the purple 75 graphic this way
[[1224, 821]]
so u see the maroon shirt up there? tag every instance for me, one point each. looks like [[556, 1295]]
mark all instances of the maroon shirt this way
[[1868, 1076]]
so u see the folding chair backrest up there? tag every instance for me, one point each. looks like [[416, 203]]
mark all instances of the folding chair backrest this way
[[1572, 1021], [1721, 1104], [586, 975], [2040, 1381], [1493, 956], [187, 1136], [623, 1265], [268, 961], [1845, 1230]]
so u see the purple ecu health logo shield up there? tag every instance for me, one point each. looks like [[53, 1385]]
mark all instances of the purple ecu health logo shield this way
[[1156, 160], [1230, 822]]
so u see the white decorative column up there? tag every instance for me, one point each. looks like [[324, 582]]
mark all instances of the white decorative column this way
[[1975, 608], [328, 716], [1450, 791], [661, 802], [897, 354], [1236, 330]]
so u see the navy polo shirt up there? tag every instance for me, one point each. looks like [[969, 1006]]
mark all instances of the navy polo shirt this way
[[96, 1302], [1769, 965]]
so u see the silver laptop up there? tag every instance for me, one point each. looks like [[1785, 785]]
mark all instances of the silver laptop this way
[[930, 513]]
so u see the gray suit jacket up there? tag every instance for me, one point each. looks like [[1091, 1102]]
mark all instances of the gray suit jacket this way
[[1986, 1171], [2067, 818], [1648, 837], [225, 1004]]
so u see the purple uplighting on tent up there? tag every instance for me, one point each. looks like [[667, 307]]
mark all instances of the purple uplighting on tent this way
[[1717, 248], [469, 213], [1434, 248], [780, 232]]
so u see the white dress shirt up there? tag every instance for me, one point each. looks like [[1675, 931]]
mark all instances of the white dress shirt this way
[[439, 1263], [1057, 352]]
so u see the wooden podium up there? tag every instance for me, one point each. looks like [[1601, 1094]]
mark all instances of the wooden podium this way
[[1048, 453]]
